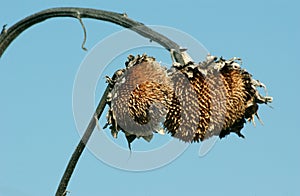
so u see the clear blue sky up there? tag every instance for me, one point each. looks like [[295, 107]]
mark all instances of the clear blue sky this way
[[37, 128]]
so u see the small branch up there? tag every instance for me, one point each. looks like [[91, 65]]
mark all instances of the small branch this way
[[84, 33], [3, 29]]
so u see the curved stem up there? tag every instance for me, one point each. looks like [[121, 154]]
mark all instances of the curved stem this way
[[8, 35]]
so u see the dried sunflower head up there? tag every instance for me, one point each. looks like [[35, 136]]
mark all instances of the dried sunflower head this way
[[139, 98], [193, 102], [218, 99]]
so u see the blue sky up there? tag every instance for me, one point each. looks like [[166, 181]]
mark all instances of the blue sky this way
[[37, 128]]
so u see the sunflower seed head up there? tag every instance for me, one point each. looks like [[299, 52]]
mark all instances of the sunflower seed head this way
[[192, 101]]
